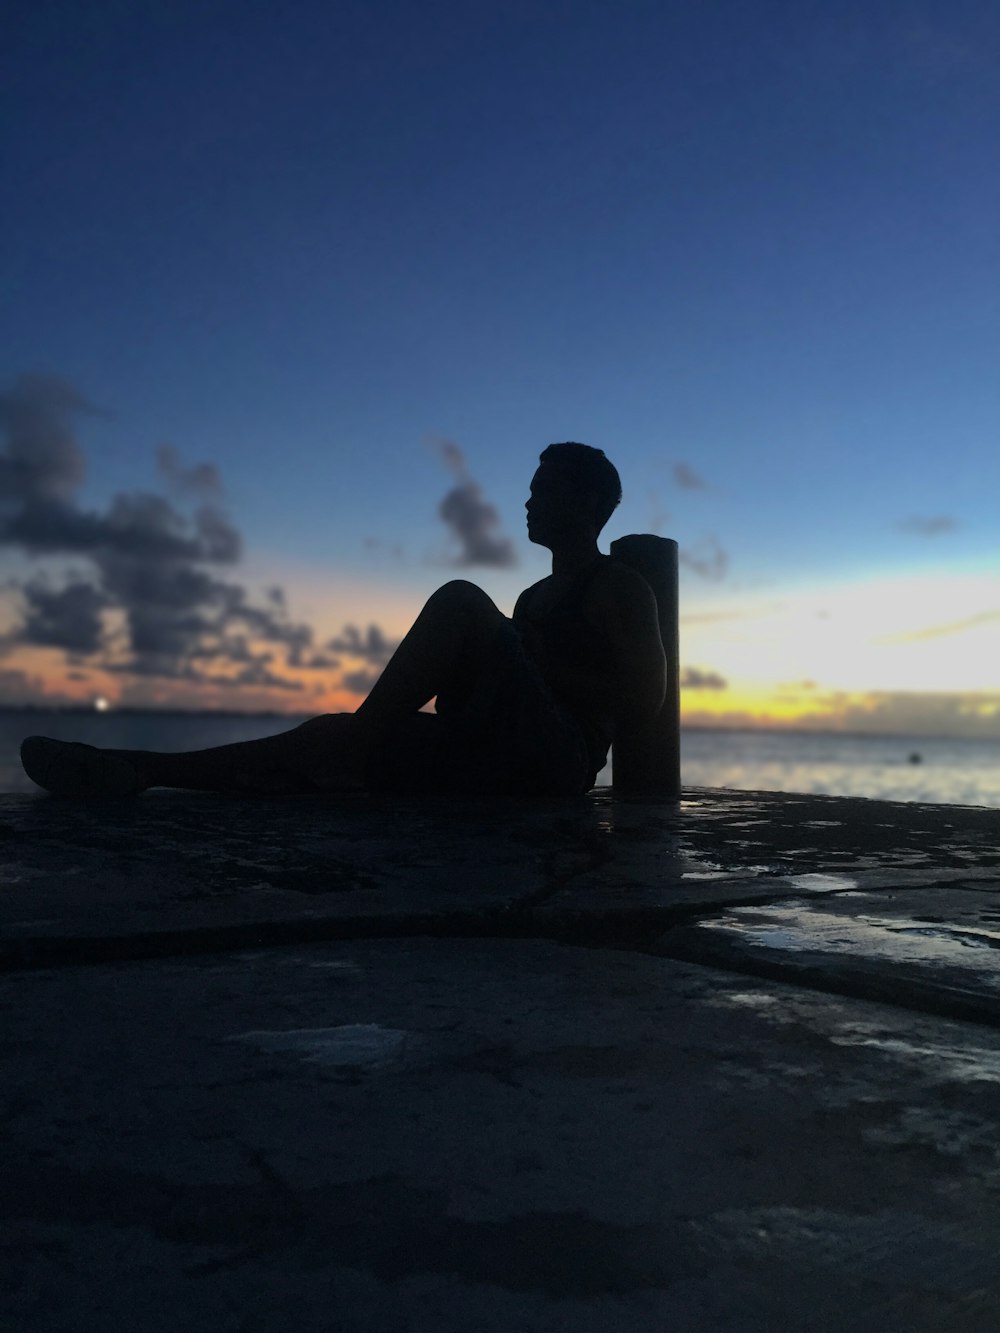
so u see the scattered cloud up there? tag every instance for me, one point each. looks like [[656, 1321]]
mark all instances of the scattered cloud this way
[[941, 631], [694, 678], [358, 682], [17, 687], [377, 545], [658, 515], [929, 526], [722, 617], [258, 673], [41, 462], [371, 647], [687, 479], [904, 713], [924, 713], [202, 480], [320, 662], [151, 563], [68, 617], [472, 521], [708, 559], [711, 617], [450, 454]]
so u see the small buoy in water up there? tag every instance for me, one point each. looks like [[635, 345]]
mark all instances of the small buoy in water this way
[[915, 758]]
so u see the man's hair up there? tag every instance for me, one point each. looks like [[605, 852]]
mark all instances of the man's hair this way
[[590, 470]]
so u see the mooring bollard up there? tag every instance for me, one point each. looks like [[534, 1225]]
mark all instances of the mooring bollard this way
[[647, 766]]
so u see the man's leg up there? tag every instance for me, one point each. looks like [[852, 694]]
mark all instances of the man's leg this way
[[446, 649], [447, 645]]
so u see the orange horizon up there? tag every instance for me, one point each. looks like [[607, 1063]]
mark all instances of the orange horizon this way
[[804, 707]]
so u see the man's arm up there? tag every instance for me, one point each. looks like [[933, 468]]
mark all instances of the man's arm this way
[[532, 640], [632, 622]]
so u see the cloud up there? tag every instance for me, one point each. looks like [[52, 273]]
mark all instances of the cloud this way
[[930, 526], [450, 454], [152, 564], [358, 682], [67, 617], [394, 549], [709, 560], [18, 688], [202, 480], [371, 647], [320, 662], [687, 479], [658, 516], [472, 521], [723, 617], [257, 673], [975, 714], [941, 631], [42, 462], [694, 678]]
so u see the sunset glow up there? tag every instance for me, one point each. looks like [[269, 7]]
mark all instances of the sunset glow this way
[[279, 351]]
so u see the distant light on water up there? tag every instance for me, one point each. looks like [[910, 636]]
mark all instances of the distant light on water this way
[[101, 705]]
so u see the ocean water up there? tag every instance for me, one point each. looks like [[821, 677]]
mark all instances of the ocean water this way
[[952, 772]]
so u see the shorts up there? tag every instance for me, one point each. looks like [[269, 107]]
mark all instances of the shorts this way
[[504, 734]]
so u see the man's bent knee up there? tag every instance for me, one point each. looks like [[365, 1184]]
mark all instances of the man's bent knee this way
[[460, 593]]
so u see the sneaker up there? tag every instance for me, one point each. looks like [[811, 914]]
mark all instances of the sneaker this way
[[70, 768]]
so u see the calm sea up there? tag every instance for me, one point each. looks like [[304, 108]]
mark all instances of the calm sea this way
[[955, 772]]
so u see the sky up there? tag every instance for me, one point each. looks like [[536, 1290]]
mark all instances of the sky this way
[[292, 296]]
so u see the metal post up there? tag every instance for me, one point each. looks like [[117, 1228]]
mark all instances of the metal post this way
[[648, 767]]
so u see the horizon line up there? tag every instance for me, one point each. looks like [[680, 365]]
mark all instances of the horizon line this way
[[131, 710]]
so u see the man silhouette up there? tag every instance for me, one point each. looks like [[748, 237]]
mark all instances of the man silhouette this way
[[527, 705]]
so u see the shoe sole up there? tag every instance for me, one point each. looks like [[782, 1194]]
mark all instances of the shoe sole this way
[[72, 769]]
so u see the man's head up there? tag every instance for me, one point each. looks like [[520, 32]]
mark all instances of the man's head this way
[[574, 493]]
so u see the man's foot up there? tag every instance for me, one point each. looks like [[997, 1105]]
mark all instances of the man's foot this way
[[70, 768]]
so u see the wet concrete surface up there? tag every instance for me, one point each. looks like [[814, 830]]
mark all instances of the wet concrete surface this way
[[482, 1134], [535, 1065], [175, 871]]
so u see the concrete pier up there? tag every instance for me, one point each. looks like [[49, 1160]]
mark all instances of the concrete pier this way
[[421, 1065]]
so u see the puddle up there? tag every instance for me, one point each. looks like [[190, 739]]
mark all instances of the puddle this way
[[354, 1046], [750, 999], [800, 929], [819, 883], [713, 870], [774, 937], [970, 1064]]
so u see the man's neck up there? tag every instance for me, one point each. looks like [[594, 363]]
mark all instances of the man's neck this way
[[571, 559]]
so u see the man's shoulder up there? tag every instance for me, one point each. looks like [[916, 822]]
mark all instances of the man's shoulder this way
[[622, 583], [527, 596]]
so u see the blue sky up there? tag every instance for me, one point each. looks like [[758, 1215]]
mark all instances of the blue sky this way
[[306, 243]]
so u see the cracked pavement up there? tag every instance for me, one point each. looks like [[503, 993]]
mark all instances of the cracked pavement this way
[[416, 1065]]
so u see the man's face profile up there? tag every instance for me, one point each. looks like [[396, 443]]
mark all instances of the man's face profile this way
[[557, 508]]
